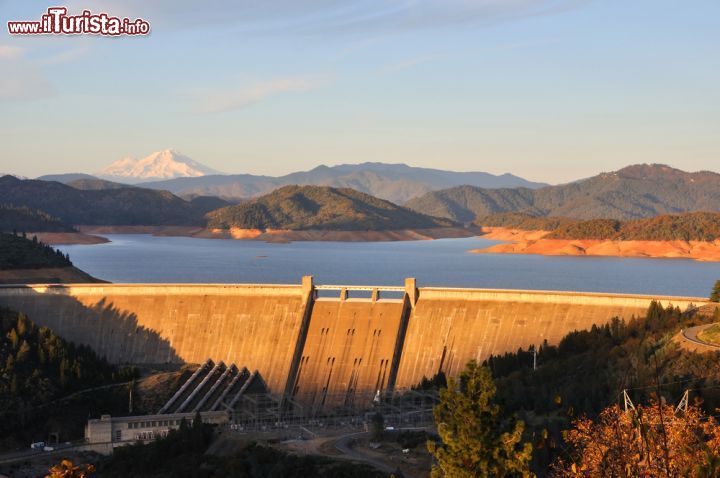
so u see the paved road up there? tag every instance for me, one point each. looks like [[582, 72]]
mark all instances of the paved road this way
[[690, 334], [23, 455]]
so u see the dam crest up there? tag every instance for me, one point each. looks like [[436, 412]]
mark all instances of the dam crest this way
[[319, 345]]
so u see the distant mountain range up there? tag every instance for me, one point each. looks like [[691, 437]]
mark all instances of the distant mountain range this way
[[638, 191], [634, 192], [321, 207], [394, 182], [171, 171]]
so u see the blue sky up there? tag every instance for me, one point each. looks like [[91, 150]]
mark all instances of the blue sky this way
[[551, 90]]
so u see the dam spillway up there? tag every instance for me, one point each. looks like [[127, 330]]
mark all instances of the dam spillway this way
[[319, 345]]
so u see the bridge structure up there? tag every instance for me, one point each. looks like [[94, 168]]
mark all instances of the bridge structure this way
[[319, 346]]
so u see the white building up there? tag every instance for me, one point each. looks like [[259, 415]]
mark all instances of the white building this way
[[125, 430]]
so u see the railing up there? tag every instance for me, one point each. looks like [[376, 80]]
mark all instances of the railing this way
[[360, 288]]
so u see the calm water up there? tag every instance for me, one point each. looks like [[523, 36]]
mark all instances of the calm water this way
[[445, 262]]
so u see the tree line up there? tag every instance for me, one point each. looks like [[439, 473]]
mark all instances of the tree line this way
[[37, 367], [19, 252]]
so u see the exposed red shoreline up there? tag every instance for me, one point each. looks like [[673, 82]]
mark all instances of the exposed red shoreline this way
[[533, 242]]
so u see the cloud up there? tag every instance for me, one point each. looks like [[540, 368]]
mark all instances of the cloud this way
[[10, 52], [21, 82], [408, 63], [326, 16], [20, 79], [65, 56], [236, 99]]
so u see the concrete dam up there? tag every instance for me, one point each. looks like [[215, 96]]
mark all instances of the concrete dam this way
[[319, 345]]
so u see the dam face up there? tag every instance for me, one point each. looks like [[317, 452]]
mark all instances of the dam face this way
[[319, 351]]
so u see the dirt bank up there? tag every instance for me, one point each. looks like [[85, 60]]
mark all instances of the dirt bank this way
[[48, 275], [60, 238], [280, 236], [533, 242]]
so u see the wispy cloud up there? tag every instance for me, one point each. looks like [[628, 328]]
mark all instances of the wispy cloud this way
[[463, 53], [65, 56], [22, 82], [408, 63], [239, 98], [10, 52], [328, 16], [20, 79]]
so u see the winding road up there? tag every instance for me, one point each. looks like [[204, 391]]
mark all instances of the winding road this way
[[691, 335]]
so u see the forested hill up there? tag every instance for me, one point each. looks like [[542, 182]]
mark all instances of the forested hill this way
[[588, 370], [634, 192], [18, 252], [317, 207], [23, 218], [113, 206], [524, 222], [696, 226], [36, 367]]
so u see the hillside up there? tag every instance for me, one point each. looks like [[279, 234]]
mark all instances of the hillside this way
[[122, 206], [466, 203], [93, 184], [393, 182], [37, 367], [25, 219], [18, 252], [316, 207], [634, 192], [588, 370], [524, 222], [700, 226], [692, 226], [29, 261], [65, 178]]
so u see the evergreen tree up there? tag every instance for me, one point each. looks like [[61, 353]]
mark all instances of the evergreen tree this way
[[473, 441], [715, 295]]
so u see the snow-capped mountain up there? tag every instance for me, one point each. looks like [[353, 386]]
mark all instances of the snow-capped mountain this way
[[166, 164]]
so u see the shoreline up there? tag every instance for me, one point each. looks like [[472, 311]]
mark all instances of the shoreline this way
[[533, 242], [48, 275], [68, 238], [276, 235]]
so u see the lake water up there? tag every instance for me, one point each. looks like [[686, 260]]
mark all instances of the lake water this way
[[444, 262]]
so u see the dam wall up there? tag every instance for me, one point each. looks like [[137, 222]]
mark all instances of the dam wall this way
[[256, 326], [315, 349], [449, 327]]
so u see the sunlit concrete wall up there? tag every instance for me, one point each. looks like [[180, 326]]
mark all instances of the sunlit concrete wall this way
[[449, 327], [317, 350], [348, 350], [255, 326]]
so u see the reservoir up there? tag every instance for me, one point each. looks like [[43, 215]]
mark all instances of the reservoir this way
[[141, 258]]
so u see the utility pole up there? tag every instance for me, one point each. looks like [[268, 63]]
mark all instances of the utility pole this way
[[628, 403], [683, 405], [534, 351]]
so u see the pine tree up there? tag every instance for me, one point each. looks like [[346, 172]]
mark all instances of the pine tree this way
[[715, 295], [473, 441]]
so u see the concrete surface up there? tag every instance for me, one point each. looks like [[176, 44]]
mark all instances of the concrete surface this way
[[322, 351]]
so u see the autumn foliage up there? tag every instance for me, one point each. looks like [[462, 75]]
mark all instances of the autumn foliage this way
[[66, 469], [649, 441]]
